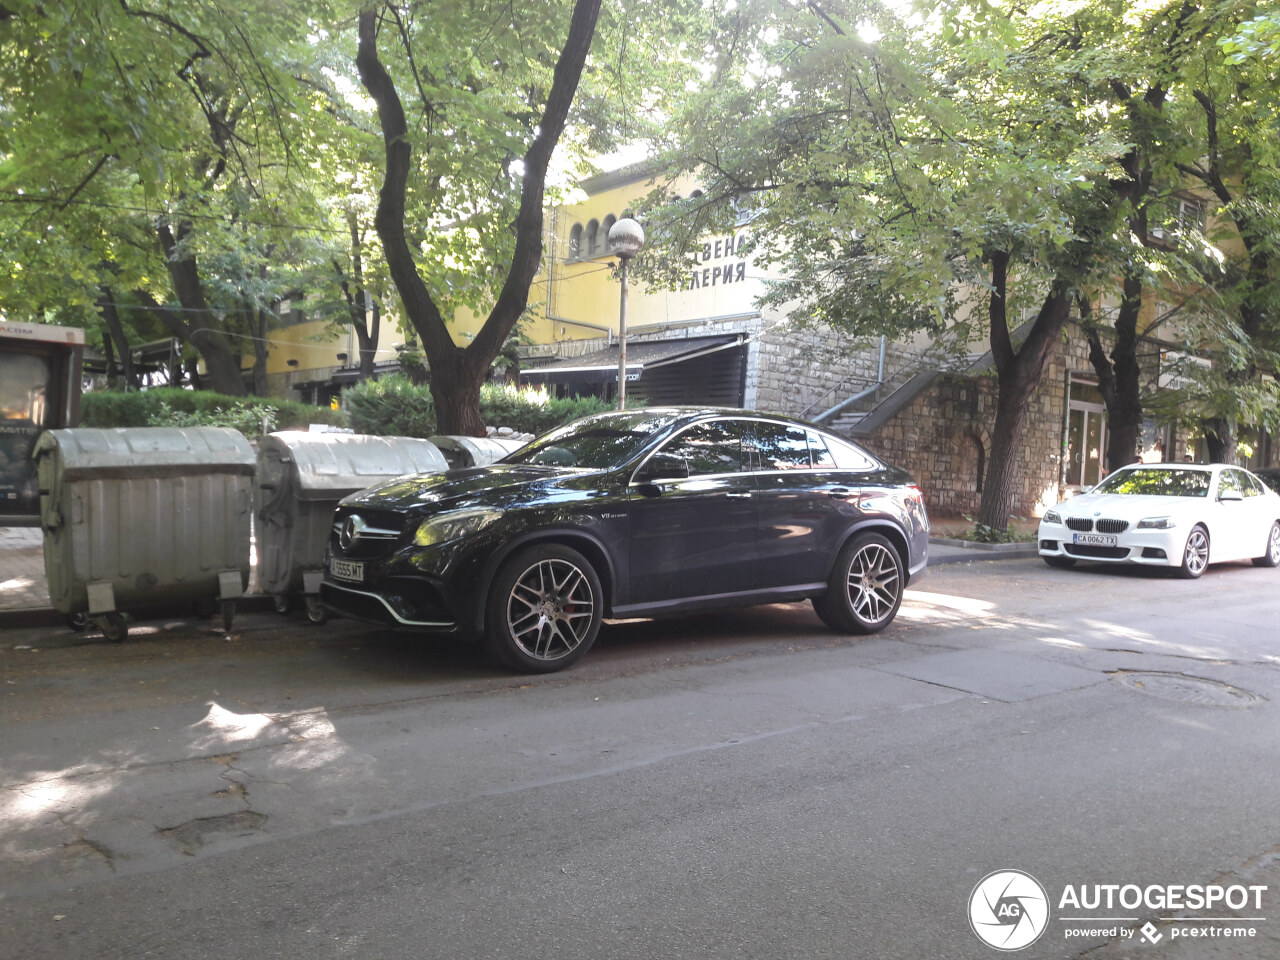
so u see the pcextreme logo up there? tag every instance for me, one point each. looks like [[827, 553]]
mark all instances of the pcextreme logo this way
[[1008, 910]]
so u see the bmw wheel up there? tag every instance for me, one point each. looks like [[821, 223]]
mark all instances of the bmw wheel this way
[[865, 588], [1195, 557], [544, 609], [1272, 557]]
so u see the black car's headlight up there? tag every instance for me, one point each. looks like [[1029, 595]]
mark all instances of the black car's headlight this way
[[453, 526]]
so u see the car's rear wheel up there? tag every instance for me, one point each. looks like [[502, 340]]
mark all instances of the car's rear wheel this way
[[1195, 556], [1272, 557], [1062, 563], [544, 609], [865, 588]]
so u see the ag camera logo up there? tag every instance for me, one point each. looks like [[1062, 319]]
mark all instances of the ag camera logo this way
[[1008, 910]]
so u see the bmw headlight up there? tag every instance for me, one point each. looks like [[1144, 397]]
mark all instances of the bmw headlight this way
[[1051, 516], [1156, 523], [453, 526]]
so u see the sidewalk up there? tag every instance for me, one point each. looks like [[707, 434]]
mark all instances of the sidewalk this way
[[24, 593], [22, 582]]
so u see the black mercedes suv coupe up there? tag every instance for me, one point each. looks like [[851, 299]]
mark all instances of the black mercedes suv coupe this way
[[638, 513]]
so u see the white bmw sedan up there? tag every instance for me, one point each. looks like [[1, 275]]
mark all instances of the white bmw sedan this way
[[1179, 515]]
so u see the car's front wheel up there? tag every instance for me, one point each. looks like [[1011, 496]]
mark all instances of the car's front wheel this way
[[1272, 557], [865, 588], [544, 609], [1195, 556]]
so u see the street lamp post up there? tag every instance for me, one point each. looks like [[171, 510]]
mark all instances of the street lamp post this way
[[626, 237]]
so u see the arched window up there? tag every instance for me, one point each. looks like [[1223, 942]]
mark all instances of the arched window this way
[[605, 227], [575, 242], [592, 238]]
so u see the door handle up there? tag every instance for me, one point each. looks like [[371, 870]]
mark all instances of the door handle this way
[[735, 495], [839, 493]]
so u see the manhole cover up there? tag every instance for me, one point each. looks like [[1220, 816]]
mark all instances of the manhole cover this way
[[1185, 689]]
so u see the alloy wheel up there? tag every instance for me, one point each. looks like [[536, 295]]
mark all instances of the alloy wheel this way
[[874, 583], [1196, 557], [550, 609]]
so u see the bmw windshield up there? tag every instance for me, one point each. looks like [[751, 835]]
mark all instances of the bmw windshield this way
[[1157, 482], [597, 443]]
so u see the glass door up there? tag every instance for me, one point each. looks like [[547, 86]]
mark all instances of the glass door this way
[[1086, 437]]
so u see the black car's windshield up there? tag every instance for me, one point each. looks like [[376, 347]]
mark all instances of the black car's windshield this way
[[596, 443], [1158, 482]]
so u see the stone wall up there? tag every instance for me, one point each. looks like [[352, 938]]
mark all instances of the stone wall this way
[[943, 437]]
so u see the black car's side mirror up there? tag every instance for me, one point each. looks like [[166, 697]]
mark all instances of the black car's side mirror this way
[[663, 466]]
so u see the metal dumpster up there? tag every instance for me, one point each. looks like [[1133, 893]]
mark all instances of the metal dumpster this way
[[300, 479], [141, 517], [475, 451]]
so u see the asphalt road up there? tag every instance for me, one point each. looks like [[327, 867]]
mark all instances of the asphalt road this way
[[746, 785]]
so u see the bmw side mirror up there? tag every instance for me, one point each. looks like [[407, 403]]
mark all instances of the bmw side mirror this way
[[663, 466], [1227, 495]]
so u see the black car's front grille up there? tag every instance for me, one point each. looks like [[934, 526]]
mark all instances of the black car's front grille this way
[[381, 533]]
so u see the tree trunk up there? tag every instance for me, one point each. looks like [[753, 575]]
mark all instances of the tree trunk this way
[[115, 329], [456, 373], [1018, 373], [1119, 378], [455, 393], [197, 324], [367, 338], [1220, 439]]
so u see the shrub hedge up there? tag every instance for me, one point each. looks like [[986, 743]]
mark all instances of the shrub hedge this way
[[393, 406], [174, 407]]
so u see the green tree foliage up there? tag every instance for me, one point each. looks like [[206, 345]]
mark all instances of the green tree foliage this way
[[147, 162], [974, 175]]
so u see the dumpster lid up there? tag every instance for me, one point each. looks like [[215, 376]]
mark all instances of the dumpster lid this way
[[138, 451], [328, 463]]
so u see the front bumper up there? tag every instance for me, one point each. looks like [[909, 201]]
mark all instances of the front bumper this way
[[1156, 548], [401, 606]]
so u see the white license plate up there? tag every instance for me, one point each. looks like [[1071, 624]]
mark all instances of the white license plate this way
[[347, 569], [1096, 539]]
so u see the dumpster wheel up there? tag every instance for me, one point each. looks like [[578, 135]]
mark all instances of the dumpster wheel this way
[[228, 614], [282, 602], [315, 612], [114, 628]]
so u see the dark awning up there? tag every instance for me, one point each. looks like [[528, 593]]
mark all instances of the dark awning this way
[[601, 366]]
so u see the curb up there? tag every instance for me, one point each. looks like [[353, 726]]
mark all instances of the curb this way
[[962, 551]]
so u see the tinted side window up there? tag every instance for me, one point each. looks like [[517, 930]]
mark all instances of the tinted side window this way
[[1251, 484], [779, 447], [847, 456], [709, 448], [822, 457], [1229, 481]]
